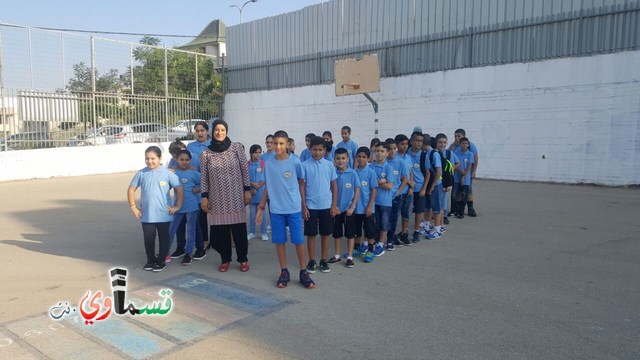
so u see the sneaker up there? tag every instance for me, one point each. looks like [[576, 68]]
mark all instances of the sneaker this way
[[355, 253], [416, 237], [423, 232], [423, 225], [397, 242], [265, 237], [472, 212], [324, 266], [364, 247], [432, 235], [312, 266], [390, 246], [178, 253], [334, 259], [378, 250], [251, 236], [268, 229], [167, 259], [350, 263], [284, 278], [305, 280], [368, 257], [460, 216], [446, 220], [157, 267], [442, 230], [148, 266], [200, 254], [186, 260], [404, 239]]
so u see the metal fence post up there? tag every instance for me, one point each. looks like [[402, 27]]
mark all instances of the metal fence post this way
[[93, 88], [166, 92], [3, 115]]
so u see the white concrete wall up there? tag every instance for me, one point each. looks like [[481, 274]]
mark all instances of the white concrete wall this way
[[572, 120], [581, 114]]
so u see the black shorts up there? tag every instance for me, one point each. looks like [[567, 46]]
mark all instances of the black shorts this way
[[369, 224], [318, 219], [343, 222]]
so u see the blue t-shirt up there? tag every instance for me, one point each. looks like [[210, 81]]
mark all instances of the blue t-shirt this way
[[466, 161], [472, 148], [281, 178], [304, 155], [189, 179], [256, 174], [351, 147], [408, 162], [384, 197], [437, 163], [268, 155], [347, 182], [418, 178], [173, 164], [196, 148], [399, 170], [368, 182], [155, 197], [318, 175]]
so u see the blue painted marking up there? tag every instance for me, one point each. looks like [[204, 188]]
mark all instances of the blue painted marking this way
[[224, 294], [126, 337]]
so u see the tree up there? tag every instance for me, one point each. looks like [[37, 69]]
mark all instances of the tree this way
[[81, 80]]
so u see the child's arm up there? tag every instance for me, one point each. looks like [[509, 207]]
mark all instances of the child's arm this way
[[263, 201], [384, 184], [354, 202], [131, 197], [334, 199], [437, 176], [179, 198], [404, 182], [372, 202], [474, 166], [303, 195]]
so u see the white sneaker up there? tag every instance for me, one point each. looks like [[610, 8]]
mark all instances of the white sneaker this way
[[251, 236], [265, 237], [268, 229]]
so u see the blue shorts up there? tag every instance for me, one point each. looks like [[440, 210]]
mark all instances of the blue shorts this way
[[279, 223], [383, 217], [418, 203], [405, 205], [433, 201]]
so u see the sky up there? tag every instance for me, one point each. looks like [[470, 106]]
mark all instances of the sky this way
[[140, 16]]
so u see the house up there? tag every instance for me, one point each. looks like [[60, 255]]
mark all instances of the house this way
[[211, 40]]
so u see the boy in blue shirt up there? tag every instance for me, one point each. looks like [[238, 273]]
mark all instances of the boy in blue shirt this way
[[348, 193], [434, 190], [284, 185], [306, 153], [348, 144], [319, 203], [462, 177], [420, 179], [268, 142], [365, 207], [459, 134], [328, 143], [401, 179], [384, 197], [405, 200], [441, 141], [256, 177]]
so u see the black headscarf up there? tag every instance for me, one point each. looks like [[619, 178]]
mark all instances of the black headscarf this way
[[219, 146]]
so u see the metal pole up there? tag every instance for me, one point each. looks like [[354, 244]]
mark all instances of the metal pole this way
[[93, 90], [197, 90], [62, 43], [224, 85], [166, 93], [30, 62], [131, 66], [375, 110], [2, 106]]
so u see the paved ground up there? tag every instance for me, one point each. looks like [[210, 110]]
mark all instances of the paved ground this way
[[544, 272]]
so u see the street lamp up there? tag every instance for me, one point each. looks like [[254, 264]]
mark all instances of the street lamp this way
[[242, 7]]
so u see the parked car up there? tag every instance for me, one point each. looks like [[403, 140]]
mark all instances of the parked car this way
[[185, 126], [99, 137], [28, 140], [140, 133]]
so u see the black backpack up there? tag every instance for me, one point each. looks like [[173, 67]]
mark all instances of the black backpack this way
[[447, 168]]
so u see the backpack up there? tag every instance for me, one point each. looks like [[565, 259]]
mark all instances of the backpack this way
[[446, 165]]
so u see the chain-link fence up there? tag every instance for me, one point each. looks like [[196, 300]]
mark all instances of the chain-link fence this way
[[63, 89]]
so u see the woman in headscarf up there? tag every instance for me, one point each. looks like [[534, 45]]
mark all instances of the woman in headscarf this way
[[226, 191]]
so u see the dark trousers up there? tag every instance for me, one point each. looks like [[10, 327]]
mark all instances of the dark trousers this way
[[149, 231], [221, 241]]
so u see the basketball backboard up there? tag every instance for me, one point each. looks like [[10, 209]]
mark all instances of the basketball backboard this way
[[357, 76]]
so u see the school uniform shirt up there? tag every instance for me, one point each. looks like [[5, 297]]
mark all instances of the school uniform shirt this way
[[384, 197], [347, 181], [418, 178], [351, 147], [256, 174], [155, 186], [189, 179], [408, 162], [472, 148], [318, 175], [399, 170], [268, 155], [281, 178], [305, 155], [437, 163], [466, 161], [368, 182], [196, 148]]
